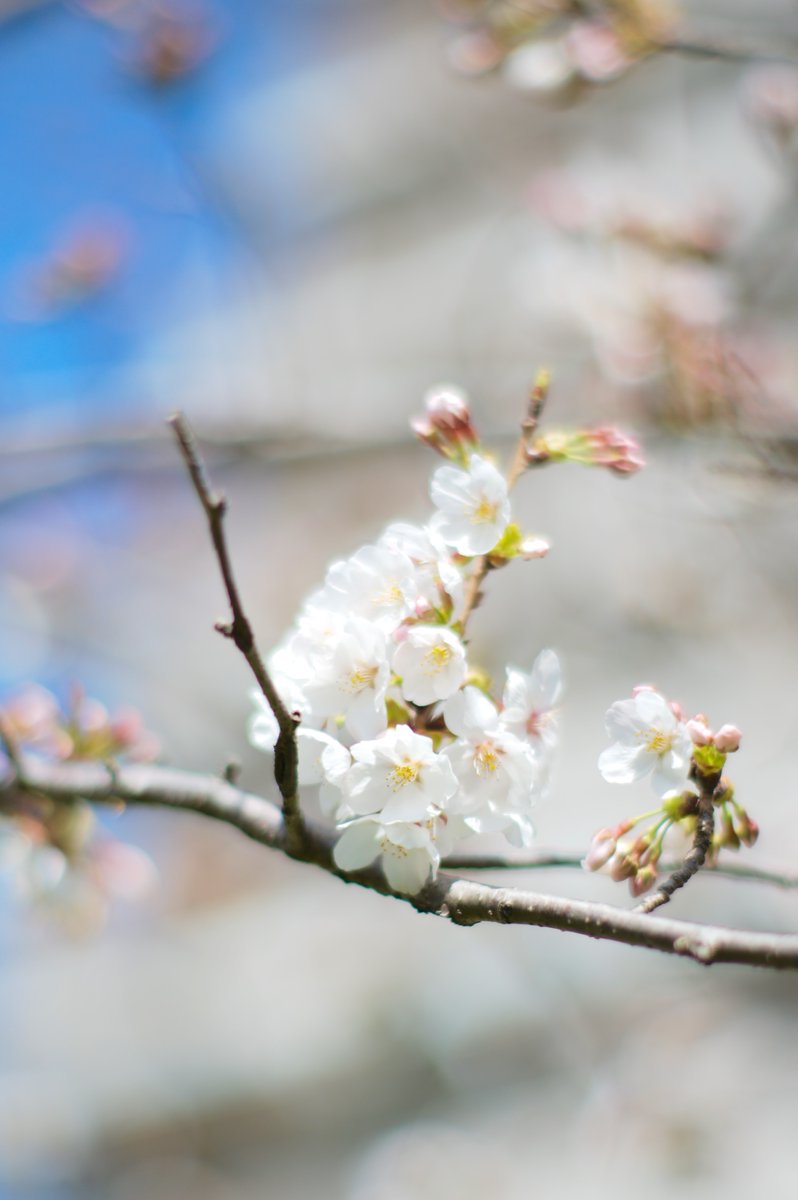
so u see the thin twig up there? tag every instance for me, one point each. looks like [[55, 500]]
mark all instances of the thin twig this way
[[461, 901], [523, 457], [696, 856], [239, 629]]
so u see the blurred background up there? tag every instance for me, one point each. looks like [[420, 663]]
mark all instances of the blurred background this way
[[289, 220]]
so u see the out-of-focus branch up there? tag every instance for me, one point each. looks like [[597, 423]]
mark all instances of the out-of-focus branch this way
[[543, 860], [461, 901], [729, 49], [239, 629]]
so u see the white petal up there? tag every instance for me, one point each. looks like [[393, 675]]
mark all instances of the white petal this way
[[407, 873], [624, 764], [357, 846]]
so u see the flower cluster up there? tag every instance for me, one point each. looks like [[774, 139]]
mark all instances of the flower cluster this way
[[683, 759], [409, 749], [55, 855]]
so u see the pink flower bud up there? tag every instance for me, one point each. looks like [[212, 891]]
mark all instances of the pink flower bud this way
[[643, 881], [616, 450], [446, 424], [622, 866], [728, 738], [699, 731], [602, 848]]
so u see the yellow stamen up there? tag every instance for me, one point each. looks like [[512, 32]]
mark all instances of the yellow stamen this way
[[484, 512], [437, 658], [659, 742], [392, 595], [486, 759], [402, 774], [361, 678]]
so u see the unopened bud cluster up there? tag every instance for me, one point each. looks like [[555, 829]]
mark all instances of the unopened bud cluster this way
[[684, 759]]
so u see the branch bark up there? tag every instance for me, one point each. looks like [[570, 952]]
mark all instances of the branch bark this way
[[462, 901]]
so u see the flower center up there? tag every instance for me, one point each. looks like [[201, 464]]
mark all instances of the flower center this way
[[389, 597], [437, 658], [486, 759], [402, 774], [361, 678], [389, 847], [484, 512], [658, 742]]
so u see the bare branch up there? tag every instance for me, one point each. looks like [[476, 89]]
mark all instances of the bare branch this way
[[240, 631], [459, 900]]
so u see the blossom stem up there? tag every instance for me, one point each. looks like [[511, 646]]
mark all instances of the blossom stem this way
[[696, 856]]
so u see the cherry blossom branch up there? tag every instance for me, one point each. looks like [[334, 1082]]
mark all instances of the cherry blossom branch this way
[[462, 901], [239, 629]]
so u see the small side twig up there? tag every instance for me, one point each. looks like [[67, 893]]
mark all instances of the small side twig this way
[[524, 456], [240, 632], [695, 858]]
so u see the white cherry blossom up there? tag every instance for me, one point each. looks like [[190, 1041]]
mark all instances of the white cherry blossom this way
[[529, 700], [432, 559], [399, 776], [498, 772], [378, 582], [473, 506], [431, 661], [349, 684], [649, 740], [409, 850]]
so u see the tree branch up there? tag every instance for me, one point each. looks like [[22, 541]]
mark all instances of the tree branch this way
[[239, 629], [461, 901]]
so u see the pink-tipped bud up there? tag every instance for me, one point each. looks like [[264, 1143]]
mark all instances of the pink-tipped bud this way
[[622, 866], [728, 738], [700, 732], [616, 450], [601, 850], [603, 446], [643, 881], [446, 424]]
